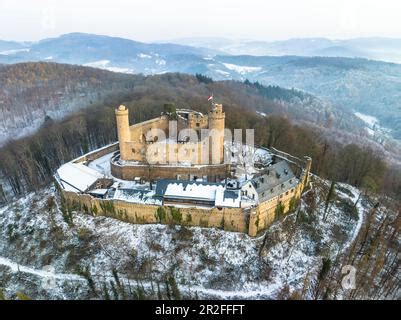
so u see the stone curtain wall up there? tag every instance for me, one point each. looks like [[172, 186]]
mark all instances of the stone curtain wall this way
[[136, 140], [250, 221], [155, 172], [97, 153], [230, 219]]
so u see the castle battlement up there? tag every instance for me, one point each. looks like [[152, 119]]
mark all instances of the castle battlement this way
[[162, 140], [121, 181]]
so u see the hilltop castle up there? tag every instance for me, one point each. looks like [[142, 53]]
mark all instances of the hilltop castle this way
[[167, 170], [174, 149]]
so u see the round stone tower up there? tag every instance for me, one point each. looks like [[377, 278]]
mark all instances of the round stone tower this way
[[123, 131], [217, 125]]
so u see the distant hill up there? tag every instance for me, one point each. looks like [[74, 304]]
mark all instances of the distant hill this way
[[71, 111], [32, 93], [11, 47], [350, 84], [370, 87], [386, 49], [115, 54]]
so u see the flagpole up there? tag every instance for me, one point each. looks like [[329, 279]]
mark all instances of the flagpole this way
[[211, 99]]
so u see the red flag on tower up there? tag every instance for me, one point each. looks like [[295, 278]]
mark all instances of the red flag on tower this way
[[210, 98]]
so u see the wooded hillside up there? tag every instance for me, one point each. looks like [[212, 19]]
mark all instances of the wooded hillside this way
[[28, 163]]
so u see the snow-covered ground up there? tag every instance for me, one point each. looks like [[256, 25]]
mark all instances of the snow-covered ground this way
[[241, 69], [14, 51], [262, 114], [105, 64], [369, 120], [41, 254]]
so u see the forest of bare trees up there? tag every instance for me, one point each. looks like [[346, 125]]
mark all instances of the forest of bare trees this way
[[372, 259], [28, 164]]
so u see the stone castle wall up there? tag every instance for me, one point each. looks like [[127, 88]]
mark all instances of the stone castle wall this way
[[139, 141], [230, 219], [156, 172], [250, 221], [268, 211], [98, 153]]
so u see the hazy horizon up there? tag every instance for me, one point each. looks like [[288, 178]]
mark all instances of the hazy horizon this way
[[203, 37], [158, 21]]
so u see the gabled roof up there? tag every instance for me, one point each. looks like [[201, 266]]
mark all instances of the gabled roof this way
[[191, 190], [77, 177], [278, 173], [198, 192]]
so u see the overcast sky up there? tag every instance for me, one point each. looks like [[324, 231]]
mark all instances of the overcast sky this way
[[151, 20]]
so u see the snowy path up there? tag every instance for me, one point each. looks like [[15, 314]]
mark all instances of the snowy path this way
[[16, 268], [246, 294], [251, 290], [361, 211]]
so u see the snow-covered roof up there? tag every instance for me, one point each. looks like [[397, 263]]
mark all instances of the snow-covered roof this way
[[278, 179], [77, 177], [194, 190], [276, 174], [198, 191], [189, 111], [137, 196], [228, 198]]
